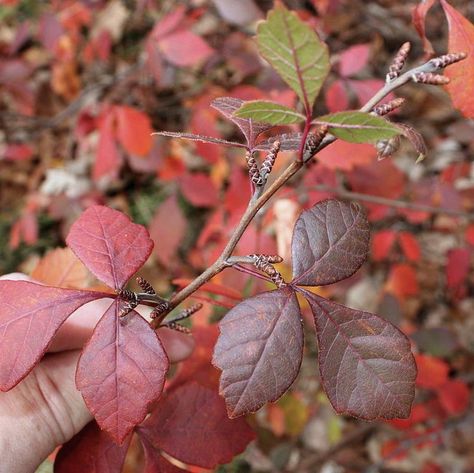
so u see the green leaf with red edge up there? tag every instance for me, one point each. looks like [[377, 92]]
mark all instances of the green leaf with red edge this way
[[269, 112], [461, 74], [295, 52], [259, 350], [30, 316], [358, 127], [330, 243], [121, 371], [133, 130], [91, 451], [189, 420], [109, 244], [366, 366]]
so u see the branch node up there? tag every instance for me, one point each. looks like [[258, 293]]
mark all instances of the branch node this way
[[398, 62]]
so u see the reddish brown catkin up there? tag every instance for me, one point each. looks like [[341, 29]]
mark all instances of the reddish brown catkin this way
[[159, 309], [313, 141], [386, 148], [264, 264], [398, 62], [178, 328], [385, 108], [430, 78], [254, 173], [447, 59], [267, 165], [145, 286]]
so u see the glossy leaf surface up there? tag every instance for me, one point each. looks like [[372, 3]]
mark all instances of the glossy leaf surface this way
[[295, 52], [121, 371], [330, 243], [91, 451], [269, 112], [30, 315], [259, 350], [358, 127], [191, 424], [366, 365], [109, 244]]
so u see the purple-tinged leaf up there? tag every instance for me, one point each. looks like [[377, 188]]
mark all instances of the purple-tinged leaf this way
[[330, 243], [188, 420], [251, 129], [110, 244], [30, 315], [155, 462], [259, 350], [201, 138], [288, 142], [366, 366], [91, 451], [121, 371], [416, 140]]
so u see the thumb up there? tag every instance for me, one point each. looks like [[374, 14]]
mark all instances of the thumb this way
[[43, 411]]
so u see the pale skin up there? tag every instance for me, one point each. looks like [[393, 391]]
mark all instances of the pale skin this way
[[46, 410]]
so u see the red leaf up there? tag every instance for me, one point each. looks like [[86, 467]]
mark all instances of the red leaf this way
[[432, 372], [18, 152], [109, 244], [190, 423], [108, 159], [184, 48], [461, 39], [199, 189], [91, 451], [30, 315], [457, 268], [410, 246], [167, 229], [330, 243], [419, 18], [169, 22], [366, 365], [470, 234], [382, 243], [134, 130], [353, 59], [345, 156], [336, 98], [419, 413], [155, 462], [259, 350], [454, 396], [402, 281], [121, 371]]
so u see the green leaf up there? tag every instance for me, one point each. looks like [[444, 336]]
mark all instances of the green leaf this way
[[358, 127], [295, 52], [269, 112]]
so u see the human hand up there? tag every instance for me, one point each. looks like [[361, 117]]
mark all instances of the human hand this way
[[46, 410]]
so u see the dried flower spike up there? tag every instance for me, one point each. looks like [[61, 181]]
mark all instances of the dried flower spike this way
[[430, 78], [385, 108], [447, 59], [159, 309], [254, 173], [262, 263], [313, 141], [386, 148], [146, 287], [177, 327], [267, 165], [398, 62]]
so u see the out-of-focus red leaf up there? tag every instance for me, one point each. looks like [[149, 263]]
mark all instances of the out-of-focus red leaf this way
[[353, 59], [109, 244], [336, 97], [18, 152], [410, 246], [461, 74], [365, 362], [345, 156], [184, 48], [430, 467], [25, 229], [134, 130], [419, 413], [121, 371], [402, 281], [167, 229], [259, 361], [155, 462], [30, 315], [432, 371], [470, 234], [382, 243], [366, 89], [91, 451], [108, 159], [199, 189], [212, 288], [454, 396], [457, 267], [238, 192], [49, 31], [419, 18], [169, 22], [190, 423]]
